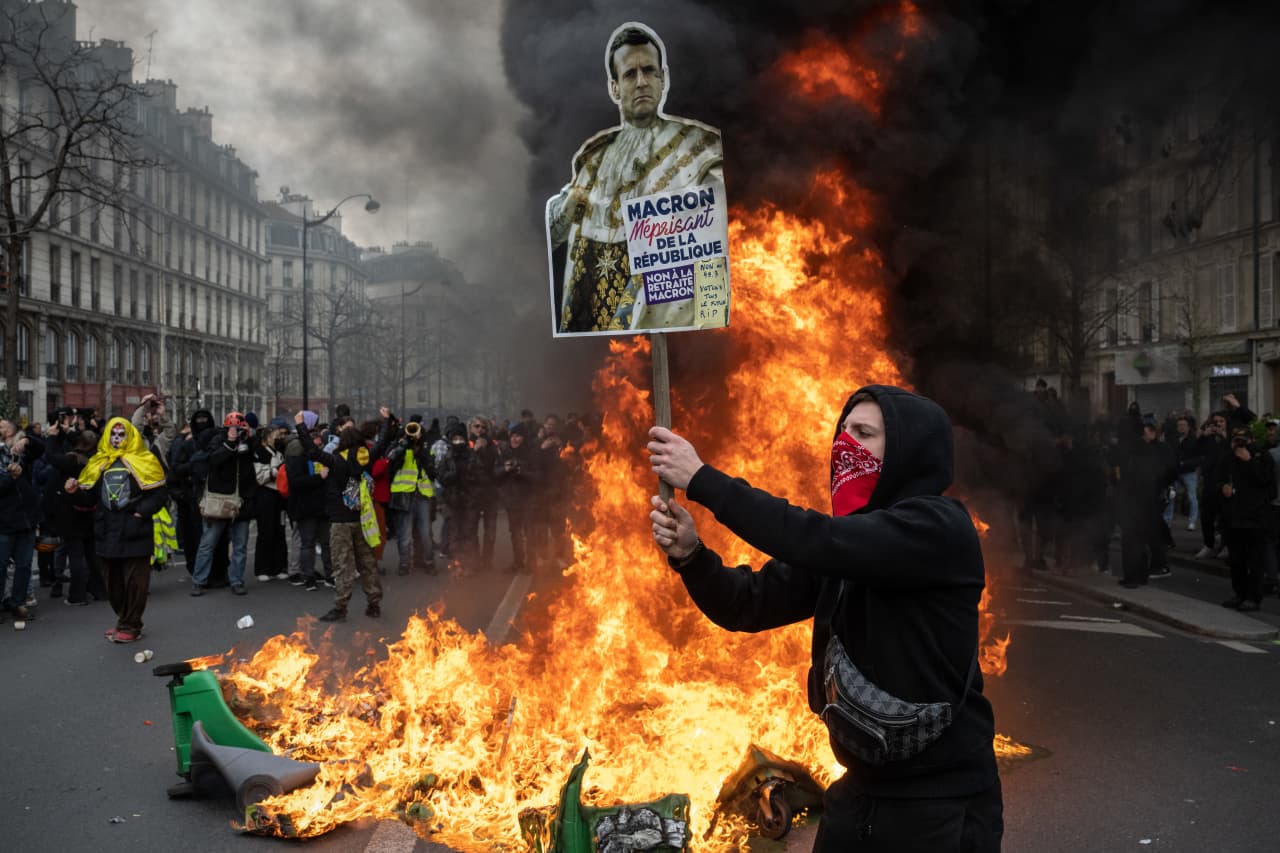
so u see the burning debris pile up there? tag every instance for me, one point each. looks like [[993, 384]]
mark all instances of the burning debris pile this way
[[615, 660]]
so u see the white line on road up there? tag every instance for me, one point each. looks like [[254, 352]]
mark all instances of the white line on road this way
[[1042, 601], [1238, 646], [500, 626], [391, 836], [1095, 627]]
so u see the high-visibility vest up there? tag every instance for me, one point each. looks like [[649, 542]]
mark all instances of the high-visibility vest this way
[[164, 535], [410, 478]]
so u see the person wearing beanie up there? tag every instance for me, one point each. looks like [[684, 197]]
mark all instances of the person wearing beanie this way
[[892, 579], [251, 418]]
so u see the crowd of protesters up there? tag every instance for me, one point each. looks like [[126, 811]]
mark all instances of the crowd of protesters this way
[[98, 506], [1136, 472]]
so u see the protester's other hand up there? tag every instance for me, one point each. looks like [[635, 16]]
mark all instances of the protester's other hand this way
[[71, 486], [1243, 454], [297, 419], [672, 457], [673, 528], [1227, 491]]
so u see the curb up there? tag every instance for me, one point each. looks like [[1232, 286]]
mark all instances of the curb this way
[[1263, 632]]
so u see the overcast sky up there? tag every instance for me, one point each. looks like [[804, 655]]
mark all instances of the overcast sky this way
[[405, 99]]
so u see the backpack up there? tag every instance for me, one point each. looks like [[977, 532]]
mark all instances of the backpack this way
[[282, 482]]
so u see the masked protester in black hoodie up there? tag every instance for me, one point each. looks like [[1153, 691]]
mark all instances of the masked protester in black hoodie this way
[[895, 574]]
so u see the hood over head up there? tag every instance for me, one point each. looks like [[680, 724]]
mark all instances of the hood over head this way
[[200, 420], [918, 448]]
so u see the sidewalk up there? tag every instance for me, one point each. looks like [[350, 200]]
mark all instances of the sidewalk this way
[[1205, 618]]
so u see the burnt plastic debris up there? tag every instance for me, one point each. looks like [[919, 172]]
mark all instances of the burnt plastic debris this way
[[768, 791], [661, 826]]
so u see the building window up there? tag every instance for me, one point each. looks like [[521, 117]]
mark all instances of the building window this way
[[113, 360], [1266, 291], [24, 187], [133, 294], [55, 274], [51, 353], [1147, 314], [1227, 298], [24, 350], [75, 279], [73, 357], [129, 362], [287, 276], [95, 284], [144, 365], [117, 288], [168, 301], [1112, 297], [149, 294], [90, 358], [208, 310]]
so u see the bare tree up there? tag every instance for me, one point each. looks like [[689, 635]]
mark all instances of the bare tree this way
[[68, 132], [342, 325]]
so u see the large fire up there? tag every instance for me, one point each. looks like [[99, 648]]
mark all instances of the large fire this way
[[449, 728]]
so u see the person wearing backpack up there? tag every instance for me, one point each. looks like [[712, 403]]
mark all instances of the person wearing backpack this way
[[345, 469]]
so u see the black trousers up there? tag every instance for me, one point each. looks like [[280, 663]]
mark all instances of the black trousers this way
[[856, 823], [1142, 547], [1246, 547], [1210, 509]]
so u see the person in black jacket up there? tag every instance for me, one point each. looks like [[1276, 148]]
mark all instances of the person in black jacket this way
[[1215, 456], [895, 574], [231, 459], [349, 536], [1144, 480], [306, 509], [127, 483], [1189, 450], [1248, 518], [68, 515], [517, 472], [460, 476], [19, 511], [184, 485]]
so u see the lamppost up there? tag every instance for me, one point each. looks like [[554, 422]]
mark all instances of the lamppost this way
[[372, 206]]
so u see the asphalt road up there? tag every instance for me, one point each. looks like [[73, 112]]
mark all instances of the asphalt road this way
[[1146, 738]]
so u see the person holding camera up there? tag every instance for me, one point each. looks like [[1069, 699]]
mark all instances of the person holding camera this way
[[151, 420], [516, 471], [231, 472], [412, 471], [1248, 518], [484, 496]]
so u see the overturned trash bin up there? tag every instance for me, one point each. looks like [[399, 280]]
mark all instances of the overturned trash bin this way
[[216, 752], [659, 825]]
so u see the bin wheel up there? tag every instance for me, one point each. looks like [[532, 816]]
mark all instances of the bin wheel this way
[[184, 790], [775, 822], [179, 668]]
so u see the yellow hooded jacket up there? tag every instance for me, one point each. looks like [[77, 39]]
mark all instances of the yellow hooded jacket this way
[[141, 462]]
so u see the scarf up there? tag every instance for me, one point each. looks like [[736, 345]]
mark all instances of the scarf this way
[[854, 474], [141, 462]]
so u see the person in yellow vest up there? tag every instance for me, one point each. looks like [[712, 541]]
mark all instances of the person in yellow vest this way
[[412, 474], [353, 532]]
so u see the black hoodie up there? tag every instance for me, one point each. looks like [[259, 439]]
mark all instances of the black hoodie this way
[[909, 615]]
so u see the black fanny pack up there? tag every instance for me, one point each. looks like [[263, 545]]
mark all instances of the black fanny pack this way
[[865, 719]]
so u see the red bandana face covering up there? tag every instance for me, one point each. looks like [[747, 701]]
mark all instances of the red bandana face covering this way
[[854, 474]]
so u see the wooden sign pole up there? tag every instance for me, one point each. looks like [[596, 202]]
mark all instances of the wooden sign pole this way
[[661, 396]]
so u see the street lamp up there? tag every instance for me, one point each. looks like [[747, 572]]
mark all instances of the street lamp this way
[[372, 206]]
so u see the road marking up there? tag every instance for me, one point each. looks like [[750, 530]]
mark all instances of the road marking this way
[[507, 610], [391, 836], [1238, 646], [1042, 601], [1094, 627]]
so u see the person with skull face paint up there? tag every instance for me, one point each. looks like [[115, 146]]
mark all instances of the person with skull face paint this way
[[895, 574], [128, 484]]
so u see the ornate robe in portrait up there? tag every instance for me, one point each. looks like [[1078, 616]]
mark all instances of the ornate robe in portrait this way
[[623, 163]]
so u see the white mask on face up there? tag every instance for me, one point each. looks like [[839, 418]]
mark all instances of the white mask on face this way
[[118, 435]]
